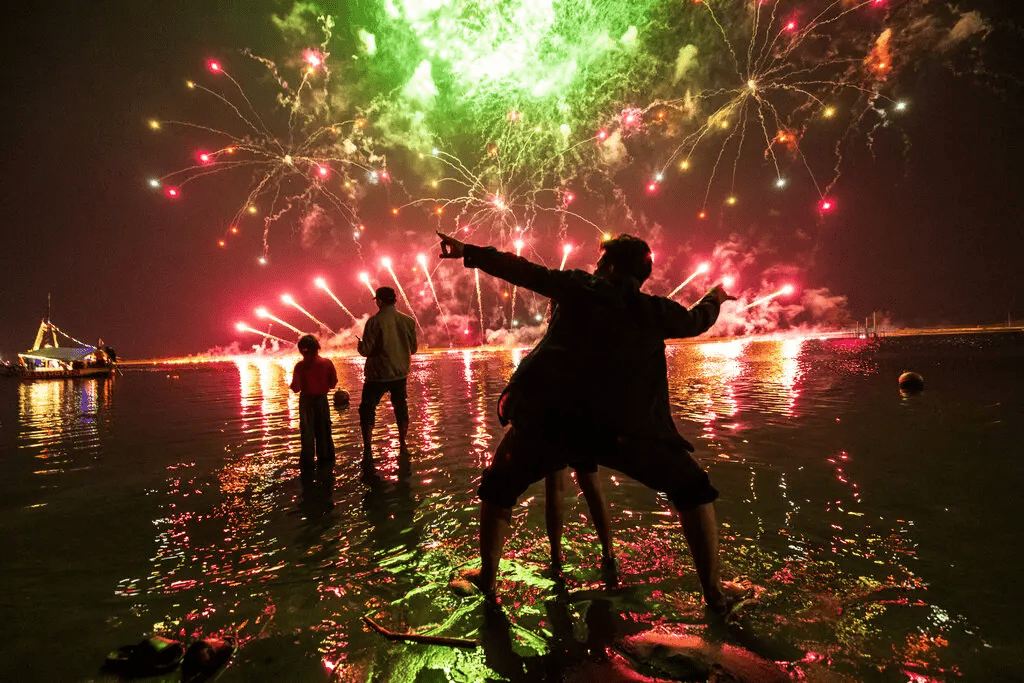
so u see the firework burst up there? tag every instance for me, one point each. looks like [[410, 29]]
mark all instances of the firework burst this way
[[300, 155]]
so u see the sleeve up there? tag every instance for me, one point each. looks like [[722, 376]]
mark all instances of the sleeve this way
[[296, 384], [367, 344], [413, 345], [554, 284], [679, 322]]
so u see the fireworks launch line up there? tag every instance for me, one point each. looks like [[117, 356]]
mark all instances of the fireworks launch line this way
[[287, 299], [702, 268], [786, 289], [264, 313], [242, 327], [322, 284]]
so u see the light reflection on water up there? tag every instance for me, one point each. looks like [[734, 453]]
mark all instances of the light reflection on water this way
[[802, 437], [60, 418]]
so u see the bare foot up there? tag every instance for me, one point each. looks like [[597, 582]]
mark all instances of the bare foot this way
[[731, 596], [468, 582]]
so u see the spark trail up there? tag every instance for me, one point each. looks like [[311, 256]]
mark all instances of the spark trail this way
[[364, 277], [786, 289], [422, 260], [566, 250], [386, 262], [322, 284], [287, 299], [702, 268], [264, 313], [519, 244], [242, 327], [479, 302]]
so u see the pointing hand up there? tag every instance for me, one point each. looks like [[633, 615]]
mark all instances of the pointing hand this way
[[718, 291], [450, 247]]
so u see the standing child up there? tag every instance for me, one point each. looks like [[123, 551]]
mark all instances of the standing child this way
[[313, 378]]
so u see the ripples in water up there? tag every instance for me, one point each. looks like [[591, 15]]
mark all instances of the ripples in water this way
[[807, 440]]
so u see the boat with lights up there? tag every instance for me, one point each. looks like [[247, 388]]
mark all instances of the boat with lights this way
[[47, 359]]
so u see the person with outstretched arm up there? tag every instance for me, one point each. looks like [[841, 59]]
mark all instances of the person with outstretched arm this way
[[594, 391]]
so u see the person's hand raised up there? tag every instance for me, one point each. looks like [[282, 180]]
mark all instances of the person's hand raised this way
[[450, 247], [718, 291]]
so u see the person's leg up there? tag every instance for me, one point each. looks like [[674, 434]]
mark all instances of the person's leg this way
[[518, 462], [667, 467], [372, 393], [494, 525], [324, 442], [598, 511], [307, 436], [400, 403], [701, 531], [554, 493]]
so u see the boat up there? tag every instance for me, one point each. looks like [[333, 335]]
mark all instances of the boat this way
[[47, 359]]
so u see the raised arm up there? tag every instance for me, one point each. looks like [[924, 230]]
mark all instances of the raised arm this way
[[679, 322], [554, 284]]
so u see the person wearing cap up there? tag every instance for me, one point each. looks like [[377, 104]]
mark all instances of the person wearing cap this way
[[312, 379], [388, 342], [594, 391]]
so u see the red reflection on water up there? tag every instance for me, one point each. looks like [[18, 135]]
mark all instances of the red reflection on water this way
[[721, 366], [480, 407]]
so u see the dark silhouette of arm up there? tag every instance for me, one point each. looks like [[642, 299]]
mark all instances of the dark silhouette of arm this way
[[678, 321], [554, 284]]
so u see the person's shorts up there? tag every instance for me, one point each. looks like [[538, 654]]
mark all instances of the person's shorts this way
[[373, 392], [523, 458]]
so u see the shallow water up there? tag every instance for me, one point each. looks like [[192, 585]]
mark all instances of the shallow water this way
[[883, 529]]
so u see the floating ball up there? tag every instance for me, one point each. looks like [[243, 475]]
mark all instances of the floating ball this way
[[911, 382], [341, 399]]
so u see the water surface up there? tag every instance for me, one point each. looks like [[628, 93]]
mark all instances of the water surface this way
[[884, 529]]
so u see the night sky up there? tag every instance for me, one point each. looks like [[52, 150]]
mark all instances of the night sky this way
[[928, 232]]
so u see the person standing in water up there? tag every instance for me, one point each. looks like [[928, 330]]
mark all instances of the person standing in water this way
[[388, 342], [594, 391], [312, 379]]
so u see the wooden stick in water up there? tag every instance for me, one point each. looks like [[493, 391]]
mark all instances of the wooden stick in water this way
[[417, 638]]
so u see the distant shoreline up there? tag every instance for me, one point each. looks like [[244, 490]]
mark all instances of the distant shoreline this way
[[843, 334]]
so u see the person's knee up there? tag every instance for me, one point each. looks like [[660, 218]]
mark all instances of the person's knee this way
[[555, 482], [366, 413], [689, 498], [499, 490]]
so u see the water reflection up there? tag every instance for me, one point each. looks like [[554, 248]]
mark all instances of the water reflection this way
[[59, 420], [238, 551]]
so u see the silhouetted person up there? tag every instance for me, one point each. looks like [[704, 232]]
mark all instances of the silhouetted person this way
[[595, 391], [313, 378], [389, 339]]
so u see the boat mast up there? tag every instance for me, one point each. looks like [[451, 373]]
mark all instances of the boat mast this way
[[44, 328]]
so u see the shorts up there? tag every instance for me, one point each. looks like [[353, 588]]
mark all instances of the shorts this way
[[373, 392], [666, 466]]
